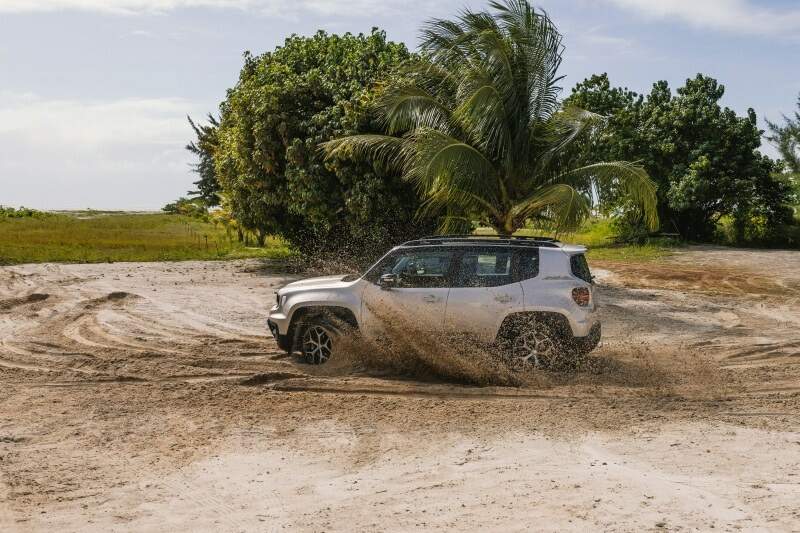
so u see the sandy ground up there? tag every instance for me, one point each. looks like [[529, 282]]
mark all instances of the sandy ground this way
[[128, 403]]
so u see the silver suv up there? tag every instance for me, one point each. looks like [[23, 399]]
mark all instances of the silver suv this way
[[532, 296]]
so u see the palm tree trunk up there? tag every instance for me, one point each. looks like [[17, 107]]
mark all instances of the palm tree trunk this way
[[508, 226], [504, 228]]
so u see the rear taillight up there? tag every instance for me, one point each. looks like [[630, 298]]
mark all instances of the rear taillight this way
[[581, 296]]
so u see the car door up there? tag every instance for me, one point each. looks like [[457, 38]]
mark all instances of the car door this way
[[419, 296], [483, 292]]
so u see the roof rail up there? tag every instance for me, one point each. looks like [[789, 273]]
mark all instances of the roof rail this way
[[474, 236], [494, 239]]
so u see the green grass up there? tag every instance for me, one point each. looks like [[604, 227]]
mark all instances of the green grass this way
[[94, 237], [99, 237], [597, 235]]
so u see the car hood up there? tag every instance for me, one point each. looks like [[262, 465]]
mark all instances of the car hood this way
[[324, 282]]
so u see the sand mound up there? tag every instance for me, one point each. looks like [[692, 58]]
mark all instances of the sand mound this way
[[11, 303], [117, 296]]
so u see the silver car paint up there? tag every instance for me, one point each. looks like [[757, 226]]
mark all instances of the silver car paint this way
[[479, 311]]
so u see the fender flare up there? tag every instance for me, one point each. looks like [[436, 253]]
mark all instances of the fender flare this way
[[513, 321], [334, 312]]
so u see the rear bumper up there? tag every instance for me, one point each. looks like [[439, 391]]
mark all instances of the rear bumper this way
[[589, 342]]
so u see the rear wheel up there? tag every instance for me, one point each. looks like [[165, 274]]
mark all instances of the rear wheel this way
[[536, 345]]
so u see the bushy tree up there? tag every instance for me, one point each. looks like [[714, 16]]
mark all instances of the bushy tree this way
[[268, 162], [208, 187], [192, 207], [786, 138], [703, 156], [479, 130]]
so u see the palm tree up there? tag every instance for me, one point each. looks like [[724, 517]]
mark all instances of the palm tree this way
[[478, 127]]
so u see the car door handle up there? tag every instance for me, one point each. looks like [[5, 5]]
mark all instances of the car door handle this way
[[503, 298], [430, 298]]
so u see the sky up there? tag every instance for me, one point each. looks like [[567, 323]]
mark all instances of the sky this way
[[94, 94]]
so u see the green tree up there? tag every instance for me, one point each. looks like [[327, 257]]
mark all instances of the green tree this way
[[703, 157], [617, 139], [192, 207], [267, 159], [208, 187], [479, 130], [786, 138]]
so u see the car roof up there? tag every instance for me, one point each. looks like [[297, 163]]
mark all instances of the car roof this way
[[493, 240]]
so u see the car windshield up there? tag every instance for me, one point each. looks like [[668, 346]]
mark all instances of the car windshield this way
[[368, 272]]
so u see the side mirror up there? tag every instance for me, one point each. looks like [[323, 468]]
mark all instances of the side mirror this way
[[388, 281]]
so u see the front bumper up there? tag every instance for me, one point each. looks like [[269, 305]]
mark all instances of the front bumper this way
[[284, 341], [278, 324], [278, 317]]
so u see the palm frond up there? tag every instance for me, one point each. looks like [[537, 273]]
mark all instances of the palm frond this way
[[384, 151], [409, 107], [447, 167], [564, 205], [631, 178]]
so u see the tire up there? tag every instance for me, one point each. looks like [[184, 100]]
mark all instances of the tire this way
[[535, 344], [315, 339]]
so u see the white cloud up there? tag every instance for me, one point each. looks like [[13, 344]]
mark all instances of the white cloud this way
[[71, 154], [270, 7], [739, 16], [116, 6], [90, 124]]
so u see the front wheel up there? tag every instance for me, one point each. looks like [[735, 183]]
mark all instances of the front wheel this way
[[536, 345], [316, 341]]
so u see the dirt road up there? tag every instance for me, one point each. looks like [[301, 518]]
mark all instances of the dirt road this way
[[149, 397]]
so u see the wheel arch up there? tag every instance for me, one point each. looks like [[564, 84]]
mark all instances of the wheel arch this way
[[334, 313], [513, 321]]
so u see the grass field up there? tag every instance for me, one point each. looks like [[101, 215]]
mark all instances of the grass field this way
[[98, 237], [598, 235], [92, 237]]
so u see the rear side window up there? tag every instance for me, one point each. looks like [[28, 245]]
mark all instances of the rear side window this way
[[580, 267], [484, 268], [528, 264]]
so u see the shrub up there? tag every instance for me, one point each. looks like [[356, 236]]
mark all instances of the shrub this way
[[22, 212]]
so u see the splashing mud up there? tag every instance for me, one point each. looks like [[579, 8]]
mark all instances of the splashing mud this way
[[639, 366], [407, 349]]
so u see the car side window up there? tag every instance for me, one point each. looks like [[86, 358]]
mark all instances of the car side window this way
[[484, 268], [416, 268], [527, 264]]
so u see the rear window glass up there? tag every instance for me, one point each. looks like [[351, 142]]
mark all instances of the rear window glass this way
[[580, 267], [484, 268], [528, 267]]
